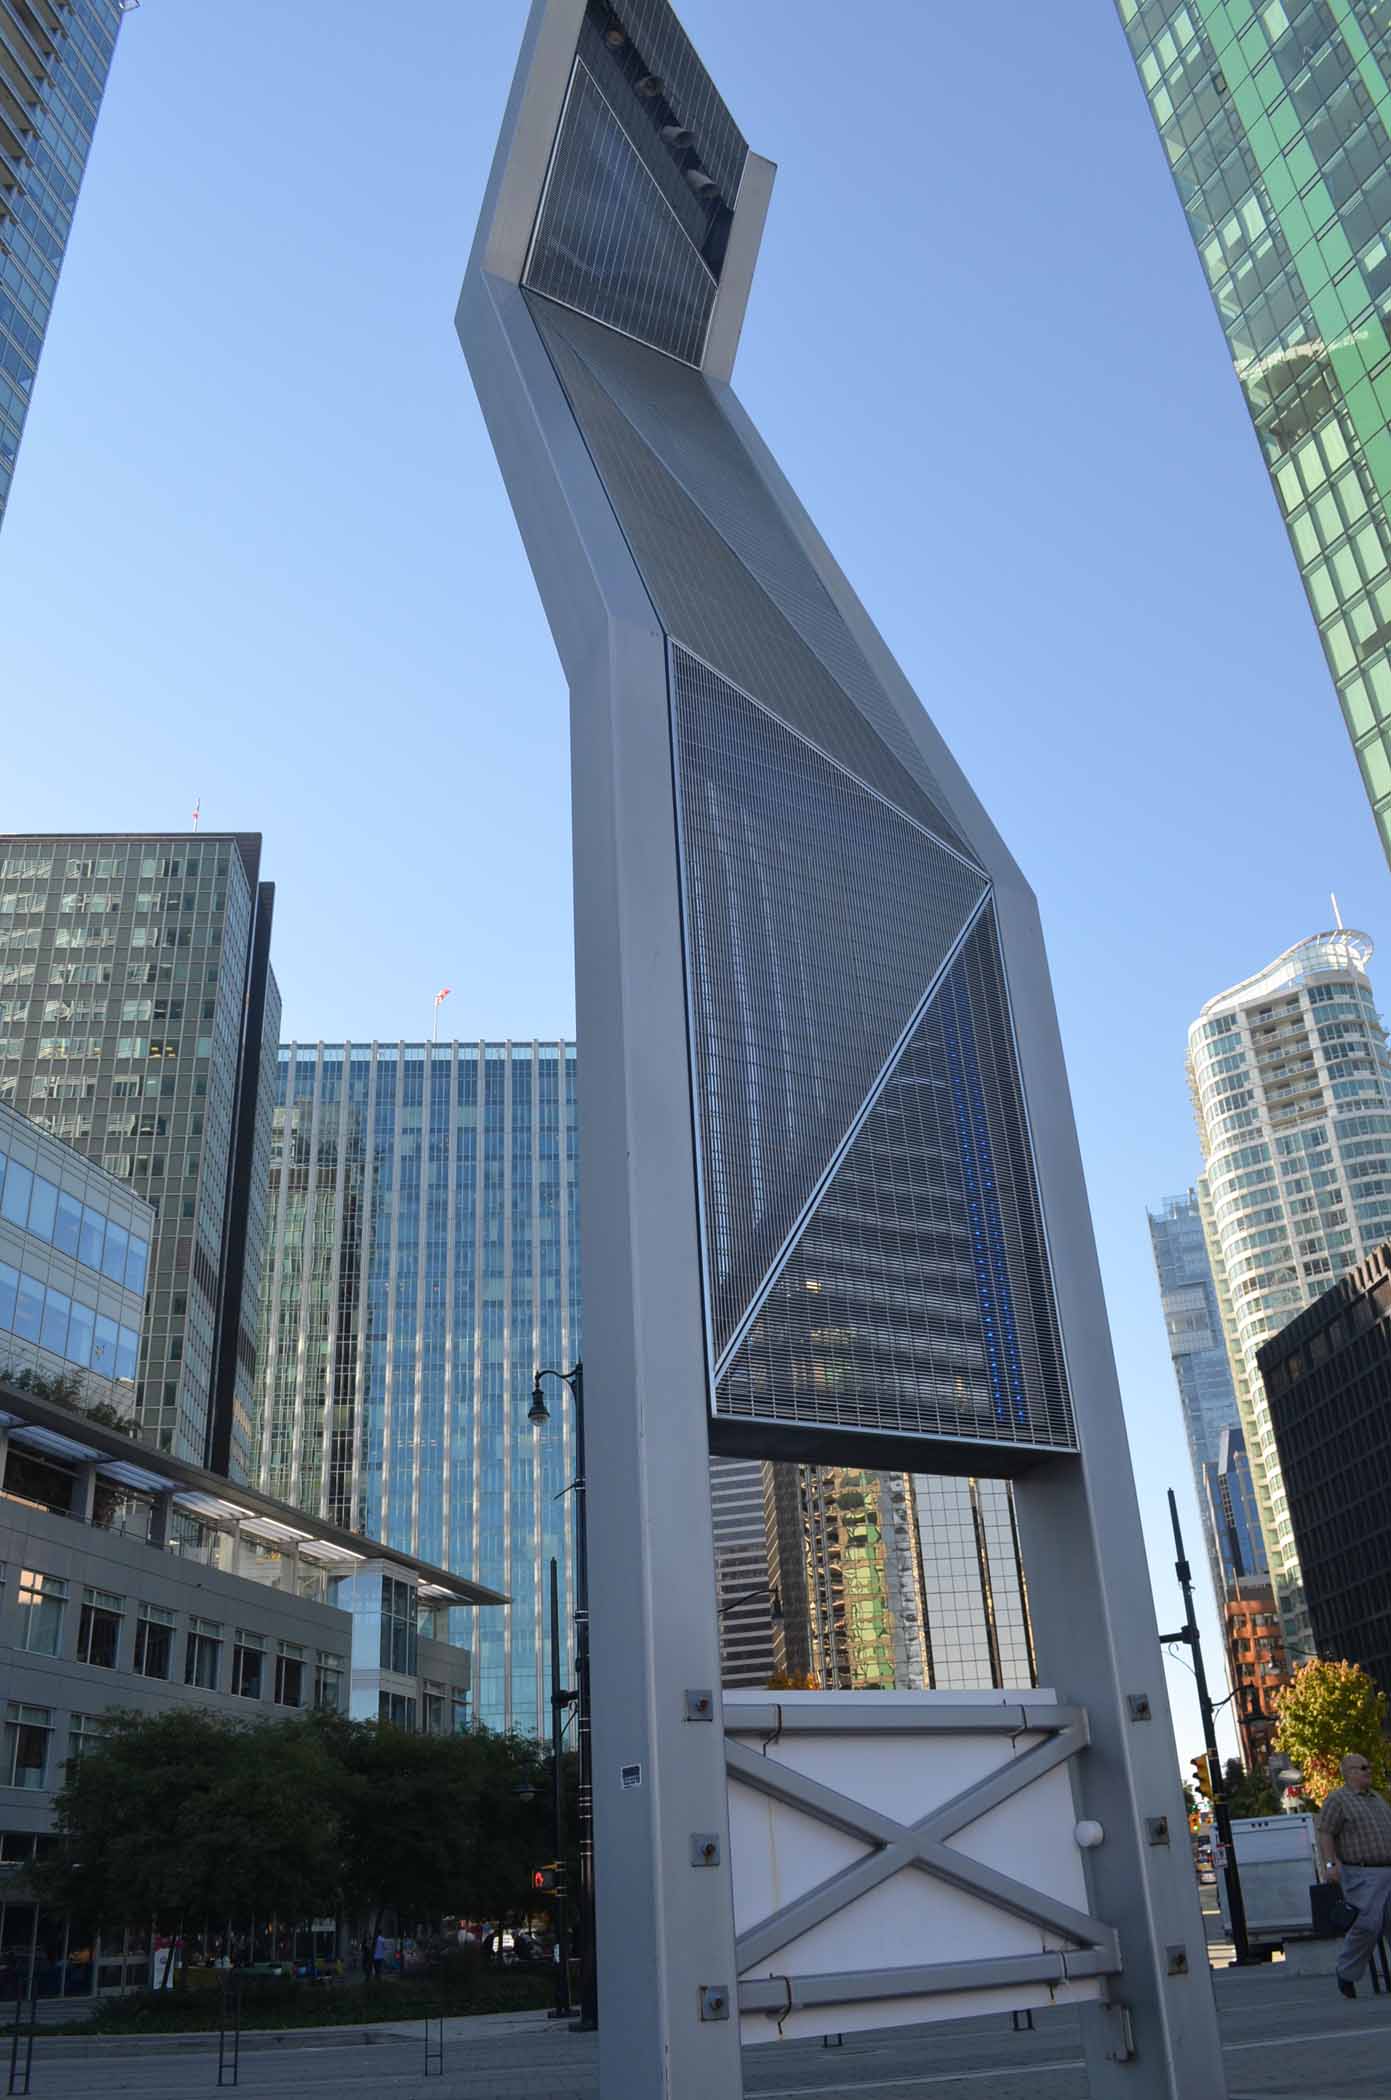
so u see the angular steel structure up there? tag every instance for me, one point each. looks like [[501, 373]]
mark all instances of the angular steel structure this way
[[833, 1203]]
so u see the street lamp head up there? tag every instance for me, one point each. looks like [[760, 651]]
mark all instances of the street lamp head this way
[[538, 1412]]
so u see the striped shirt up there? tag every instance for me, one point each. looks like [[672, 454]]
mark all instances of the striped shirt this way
[[1356, 1828]]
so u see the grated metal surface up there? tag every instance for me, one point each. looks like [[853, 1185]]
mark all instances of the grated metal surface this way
[[608, 242], [918, 1300], [706, 597], [817, 918], [689, 89], [676, 415]]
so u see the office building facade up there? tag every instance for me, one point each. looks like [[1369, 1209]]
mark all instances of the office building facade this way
[[54, 59], [1291, 1086], [422, 1260], [746, 1594], [139, 1018], [1276, 122], [74, 1264], [1257, 1666], [140, 1584], [897, 1581], [1327, 1376], [1197, 1348], [1231, 1513]]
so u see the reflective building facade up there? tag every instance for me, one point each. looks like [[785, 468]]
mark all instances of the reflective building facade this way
[[54, 59], [1276, 122], [1197, 1347], [1291, 1085], [139, 1018], [422, 1260], [1328, 1378], [74, 1263], [1231, 1512]]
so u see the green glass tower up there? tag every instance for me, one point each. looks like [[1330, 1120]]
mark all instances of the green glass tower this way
[[1276, 120]]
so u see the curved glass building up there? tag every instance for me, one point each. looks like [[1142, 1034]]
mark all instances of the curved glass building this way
[[1291, 1085]]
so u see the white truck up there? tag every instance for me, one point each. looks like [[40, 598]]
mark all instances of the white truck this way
[[1277, 1859]]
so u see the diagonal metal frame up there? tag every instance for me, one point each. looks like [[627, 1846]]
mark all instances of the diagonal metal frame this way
[[922, 1845]]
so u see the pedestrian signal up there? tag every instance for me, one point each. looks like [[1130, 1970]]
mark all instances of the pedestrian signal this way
[[545, 1881]]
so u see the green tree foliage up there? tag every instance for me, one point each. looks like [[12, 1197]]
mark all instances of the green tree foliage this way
[[1328, 1710], [187, 1816], [1249, 1793]]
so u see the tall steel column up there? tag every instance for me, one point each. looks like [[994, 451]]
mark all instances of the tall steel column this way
[[823, 1076]]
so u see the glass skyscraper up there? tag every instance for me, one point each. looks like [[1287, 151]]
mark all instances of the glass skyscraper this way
[[1197, 1347], [1291, 1085], [1275, 116], [422, 1260], [1231, 1511], [139, 1017], [54, 59]]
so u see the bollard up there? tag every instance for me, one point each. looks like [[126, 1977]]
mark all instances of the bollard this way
[[434, 2047], [21, 2073], [229, 2033]]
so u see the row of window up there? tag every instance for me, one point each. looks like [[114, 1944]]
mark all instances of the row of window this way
[[41, 1313], [37, 1206], [43, 1602]]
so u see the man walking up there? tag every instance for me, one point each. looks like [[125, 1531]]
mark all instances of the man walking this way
[[1355, 1834]]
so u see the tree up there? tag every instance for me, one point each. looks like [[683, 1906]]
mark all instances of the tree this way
[[1327, 1711], [1249, 1793], [185, 1816]]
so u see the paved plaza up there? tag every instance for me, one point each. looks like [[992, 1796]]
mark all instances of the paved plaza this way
[[1283, 2035]]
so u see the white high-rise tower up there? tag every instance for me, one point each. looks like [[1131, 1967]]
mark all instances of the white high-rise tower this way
[[1291, 1085]]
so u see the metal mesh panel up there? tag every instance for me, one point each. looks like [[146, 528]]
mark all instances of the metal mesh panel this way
[[608, 242], [918, 1300], [817, 918], [707, 598], [676, 413], [666, 47]]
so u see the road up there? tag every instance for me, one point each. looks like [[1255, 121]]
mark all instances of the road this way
[[1282, 2035]]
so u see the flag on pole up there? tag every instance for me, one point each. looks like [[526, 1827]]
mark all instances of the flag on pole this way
[[440, 997], [197, 811]]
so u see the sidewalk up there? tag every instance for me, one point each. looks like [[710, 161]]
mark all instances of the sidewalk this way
[[480, 2027]]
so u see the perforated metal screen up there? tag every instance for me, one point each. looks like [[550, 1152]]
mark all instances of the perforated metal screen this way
[[918, 1299], [817, 917]]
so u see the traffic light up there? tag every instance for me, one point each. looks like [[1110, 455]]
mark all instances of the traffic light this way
[[545, 1881], [1202, 1774]]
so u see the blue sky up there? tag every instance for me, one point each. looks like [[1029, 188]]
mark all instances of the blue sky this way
[[258, 551]]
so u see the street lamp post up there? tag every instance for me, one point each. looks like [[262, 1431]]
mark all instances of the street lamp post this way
[[1221, 1810], [538, 1414]]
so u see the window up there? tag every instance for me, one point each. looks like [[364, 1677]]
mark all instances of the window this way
[[27, 1730], [154, 1641], [203, 1654], [396, 1708], [328, 1682], [99, 1634], [289, 1674], [434, 1709], [458, 1712], [42, 1602], [399, 1637], [83, 1731], [248, 1664]]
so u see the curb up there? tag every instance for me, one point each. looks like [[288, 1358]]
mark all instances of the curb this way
[[72, 2048]]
